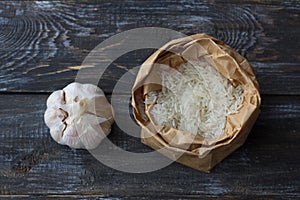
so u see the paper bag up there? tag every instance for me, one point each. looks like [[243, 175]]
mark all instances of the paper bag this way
[[186, 148]]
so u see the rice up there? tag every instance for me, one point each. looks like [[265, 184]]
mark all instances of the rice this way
[[195, 98]]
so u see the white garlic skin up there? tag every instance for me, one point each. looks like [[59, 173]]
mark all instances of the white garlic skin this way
[[79, 116]]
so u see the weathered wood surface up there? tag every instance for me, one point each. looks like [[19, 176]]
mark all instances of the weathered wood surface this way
[[33, 164], [42, 45]]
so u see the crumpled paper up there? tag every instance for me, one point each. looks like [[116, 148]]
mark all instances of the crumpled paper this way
[[193, 150]]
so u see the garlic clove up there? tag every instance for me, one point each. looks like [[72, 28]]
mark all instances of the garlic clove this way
[[101, 110], [56, 99], [56, 132], [70, 138], [91, 137]]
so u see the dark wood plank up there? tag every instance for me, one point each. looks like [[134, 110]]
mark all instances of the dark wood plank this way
[[43, 43], [31, 163]]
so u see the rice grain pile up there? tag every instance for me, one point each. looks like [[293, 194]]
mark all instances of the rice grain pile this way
[[195, 98]]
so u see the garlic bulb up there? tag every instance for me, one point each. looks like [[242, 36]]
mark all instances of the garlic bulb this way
[[79, 116]]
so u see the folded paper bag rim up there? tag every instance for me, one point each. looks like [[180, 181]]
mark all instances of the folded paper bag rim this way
[[200, 154]]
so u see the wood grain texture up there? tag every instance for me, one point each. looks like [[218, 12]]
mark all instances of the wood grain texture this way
[[42, 44], [31, 163]]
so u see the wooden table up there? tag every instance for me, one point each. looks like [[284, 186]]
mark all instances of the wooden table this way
[[42, 45]]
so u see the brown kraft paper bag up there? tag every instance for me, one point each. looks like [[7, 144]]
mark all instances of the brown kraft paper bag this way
[[188, 149]]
